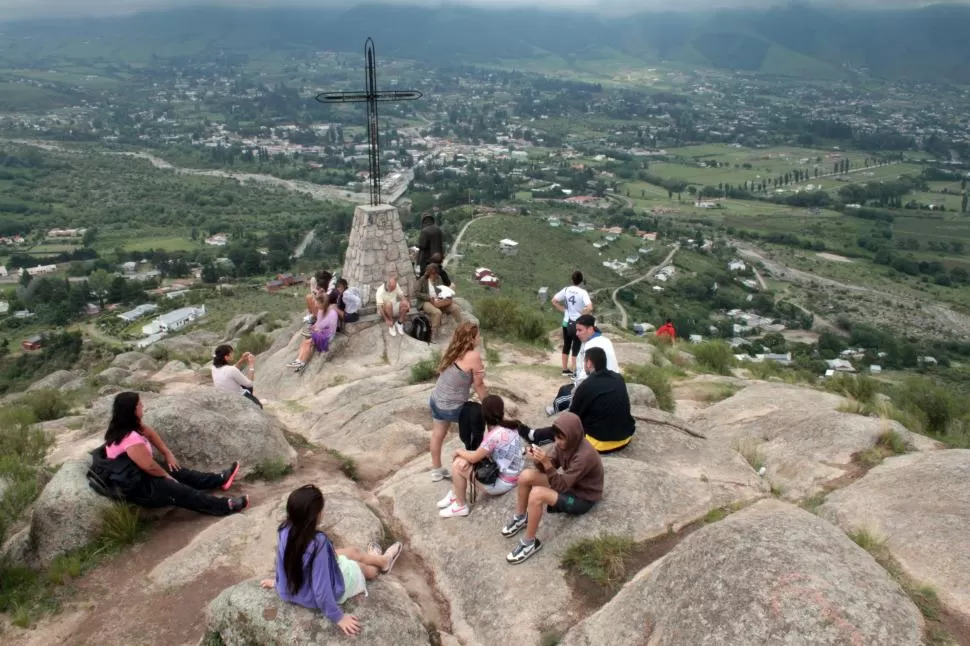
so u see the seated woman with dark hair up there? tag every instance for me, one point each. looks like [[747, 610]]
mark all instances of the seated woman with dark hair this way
[[126, 466], [228, 378]]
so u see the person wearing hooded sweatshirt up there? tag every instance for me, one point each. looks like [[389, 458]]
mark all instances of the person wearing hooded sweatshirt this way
[[431, 241], [568, 480], [591, 337]]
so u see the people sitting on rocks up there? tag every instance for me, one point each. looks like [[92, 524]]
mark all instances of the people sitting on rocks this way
[[431, 241], [434, 300], [666, 332], [321, 334], [347, 300], [591, 337], [573, 302], [311, 573], [501, 444], [461, 368], [602, 403], [127, 466], [227, 377], [392, 305], [438, 259], [319, 284], [568, 480]]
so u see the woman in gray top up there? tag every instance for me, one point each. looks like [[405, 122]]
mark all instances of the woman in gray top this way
[[460, 370]]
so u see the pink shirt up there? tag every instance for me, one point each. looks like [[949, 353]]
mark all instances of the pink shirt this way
[[132, 439]]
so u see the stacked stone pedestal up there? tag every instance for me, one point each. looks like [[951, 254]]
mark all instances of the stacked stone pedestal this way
[[376, 248]]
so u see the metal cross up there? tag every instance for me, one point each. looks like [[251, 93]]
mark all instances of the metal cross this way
[[372, 97]]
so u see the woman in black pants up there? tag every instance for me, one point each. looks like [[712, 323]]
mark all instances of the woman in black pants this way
[[126, 465]]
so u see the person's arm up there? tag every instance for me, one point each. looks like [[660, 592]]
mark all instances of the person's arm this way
[[478, 375], [473, 457], [243, 359], [322, 586], [558, 301], [587, 306], [157, 442], [240, 378], [424, 242], [564, 480], [422, 290], [142, 457]]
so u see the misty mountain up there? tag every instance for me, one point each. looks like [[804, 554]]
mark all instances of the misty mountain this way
[[793, 40]]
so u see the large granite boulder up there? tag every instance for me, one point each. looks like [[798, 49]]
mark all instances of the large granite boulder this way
[[246, 614], [920, 505], [111, 376], [207, 429], [57, 381], [242, 324], [641, 395], [770, 574], [641, 501], [802, 438], [134, 361]]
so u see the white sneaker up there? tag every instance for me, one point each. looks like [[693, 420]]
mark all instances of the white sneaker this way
[[447, 500], [454, 511], [400, 328], [550, 411], [437, 475], [392, 331]]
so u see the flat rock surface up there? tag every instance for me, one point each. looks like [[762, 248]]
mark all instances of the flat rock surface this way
[[805, 442], [769, 574], [920, 504]]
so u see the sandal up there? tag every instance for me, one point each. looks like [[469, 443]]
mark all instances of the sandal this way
[[392, 554]]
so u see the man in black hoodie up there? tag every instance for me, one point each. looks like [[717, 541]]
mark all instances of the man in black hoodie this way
[[602, 404], [568, 480], [430, 242]]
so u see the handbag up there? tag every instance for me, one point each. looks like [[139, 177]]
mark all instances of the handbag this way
[[487, 471]]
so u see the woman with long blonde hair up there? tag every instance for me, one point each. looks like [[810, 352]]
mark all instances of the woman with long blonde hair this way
[[460, 370]]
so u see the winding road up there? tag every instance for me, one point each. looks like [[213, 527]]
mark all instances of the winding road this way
[[453, 252], [650, 273]]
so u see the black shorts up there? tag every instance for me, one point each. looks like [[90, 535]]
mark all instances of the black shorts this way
[[569, 503], [570, 342]]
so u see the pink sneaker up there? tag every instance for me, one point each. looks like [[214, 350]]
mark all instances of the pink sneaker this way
[[229, 475]]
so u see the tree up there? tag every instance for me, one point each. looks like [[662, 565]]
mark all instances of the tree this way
[[963, 203], [90, 235], [24, 277], [99, 282]]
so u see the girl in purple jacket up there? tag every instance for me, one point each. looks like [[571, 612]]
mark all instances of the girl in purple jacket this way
[[311, 573]]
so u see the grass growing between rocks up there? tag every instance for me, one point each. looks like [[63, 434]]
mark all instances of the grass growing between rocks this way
[[512, 320], [658, 379], [297, 441], [271, 470], [212, 638], [346, 464], [22, 468], [254, 342], [719, 392], [888, 444], [750, 451], [426, 369], [601, 559], [713, 356], [492, 357]]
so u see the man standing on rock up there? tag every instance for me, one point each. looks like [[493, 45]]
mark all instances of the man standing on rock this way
[[602, 403], [568, 480], [392, 303], [430, 242], [591, 337]]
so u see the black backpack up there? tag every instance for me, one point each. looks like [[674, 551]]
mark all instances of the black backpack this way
[[420, 328]]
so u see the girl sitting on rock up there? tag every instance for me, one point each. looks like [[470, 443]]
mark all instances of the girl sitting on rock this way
[[321, 333], [227, 377], [311, 573], [150, 483], [502, 444]]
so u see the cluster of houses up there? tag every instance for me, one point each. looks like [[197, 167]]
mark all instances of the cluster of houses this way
[[66, 233], [665, 273], [218, 240], [11, 241], [163, 324]]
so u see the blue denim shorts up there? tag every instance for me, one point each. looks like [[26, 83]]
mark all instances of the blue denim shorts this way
[[441, 415]]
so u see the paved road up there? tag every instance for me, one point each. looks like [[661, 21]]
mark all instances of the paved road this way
[[649, 274], [454, 246]]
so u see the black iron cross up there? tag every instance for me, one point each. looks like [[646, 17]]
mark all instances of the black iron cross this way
[[371, 96]]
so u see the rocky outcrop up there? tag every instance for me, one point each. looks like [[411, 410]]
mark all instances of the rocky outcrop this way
[[196, 344], [57, 380], [207, 429], [111, 376], [242, 324], [803, 440], [246, 614], [641, 395], [641, 500], [920, 505], [770, 574], [134, 361]]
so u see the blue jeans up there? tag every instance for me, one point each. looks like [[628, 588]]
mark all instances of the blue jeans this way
[[442, 415]]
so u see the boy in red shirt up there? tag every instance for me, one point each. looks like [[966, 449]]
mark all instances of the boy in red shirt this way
[[667, 332]]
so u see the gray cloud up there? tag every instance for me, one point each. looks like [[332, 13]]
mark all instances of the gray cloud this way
[[15, 9]]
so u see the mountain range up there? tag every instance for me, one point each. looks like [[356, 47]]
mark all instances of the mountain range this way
[[791, 40]]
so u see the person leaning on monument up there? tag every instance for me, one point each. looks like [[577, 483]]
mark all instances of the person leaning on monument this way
[[591, 337], [602, 403], [436, 299], [568, 480], [392, 303], [430, 242]]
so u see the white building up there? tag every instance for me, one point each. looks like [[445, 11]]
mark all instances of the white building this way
[[173, 321], [508, 247], [41, 270], [736, 265], [138, 312], [218, 240]]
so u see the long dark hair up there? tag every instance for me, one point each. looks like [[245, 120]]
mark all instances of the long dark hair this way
[[303, 509], [493, 412], [219, 356], [124, 418]]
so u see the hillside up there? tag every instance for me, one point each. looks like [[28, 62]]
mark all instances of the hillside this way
[[794, 40]]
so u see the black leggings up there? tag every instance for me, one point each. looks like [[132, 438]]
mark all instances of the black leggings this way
[[248, 394], [187, 490], [570, 342]]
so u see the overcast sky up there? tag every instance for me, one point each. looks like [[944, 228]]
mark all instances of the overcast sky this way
[[12, 9]]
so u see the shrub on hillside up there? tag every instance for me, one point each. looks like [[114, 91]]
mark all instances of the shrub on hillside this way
[[22, 451], [859, 387], [253, 342], [657, 379], [715, 356], [936, 406], [46, 404], [511, 319]]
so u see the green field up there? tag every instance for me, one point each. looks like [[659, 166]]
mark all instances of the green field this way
[[161, 242]]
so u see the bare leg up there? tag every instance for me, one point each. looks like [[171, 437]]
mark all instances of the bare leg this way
[[539, 497], [438, 432], [386, 311], [403, 310], [565, 360], [527, 480], [306, 349], [460, 470], [370, 564]]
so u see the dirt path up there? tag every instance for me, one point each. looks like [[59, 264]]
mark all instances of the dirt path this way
[[453, 252], [650, 273]]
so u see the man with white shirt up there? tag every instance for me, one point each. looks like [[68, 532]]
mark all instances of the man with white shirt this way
[[573, 302], [392, 303], [591, 338]]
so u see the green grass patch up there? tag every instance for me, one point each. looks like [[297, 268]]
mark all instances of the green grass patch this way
[[426, 369], [514, 321], [270, 470], [601, 559], [657, 379], [719, 392], [212, 638], [714, 356], [750, 450], [492, 357], [47, 404], [716, 514], [813, 503], [861, 388], [297, 441], [346, 464], [254, 342]]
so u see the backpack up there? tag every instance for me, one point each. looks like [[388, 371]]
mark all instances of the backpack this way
[[113, 478], [420, 328]]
